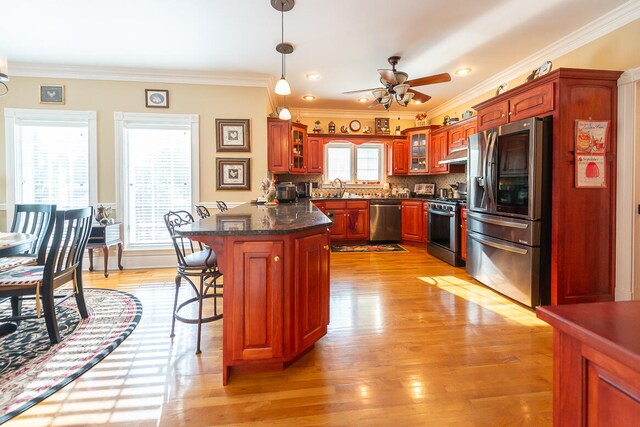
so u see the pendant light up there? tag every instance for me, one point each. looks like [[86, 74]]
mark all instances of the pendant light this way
[[4, 76], [282, 87], [285, 114]]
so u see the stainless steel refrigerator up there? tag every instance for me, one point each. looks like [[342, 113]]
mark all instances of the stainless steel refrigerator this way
[[508, 219]]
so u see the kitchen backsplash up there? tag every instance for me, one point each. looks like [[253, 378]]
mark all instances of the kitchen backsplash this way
[[441, 181]]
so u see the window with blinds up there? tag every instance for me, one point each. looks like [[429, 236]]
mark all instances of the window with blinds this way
[[157, 153], [354, 163], [159, 181], [52, 157]]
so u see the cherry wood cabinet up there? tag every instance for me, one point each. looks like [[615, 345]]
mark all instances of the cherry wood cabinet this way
[[315, 153], [469, 128], [425, 222], [596, 363], [350, 219], [258, 288], [397, 157], [582, 219], [310, 290], [438, 151], [456, 137], [535, 101], [463, 234], [412, 220], [278, 145], [286, 146]]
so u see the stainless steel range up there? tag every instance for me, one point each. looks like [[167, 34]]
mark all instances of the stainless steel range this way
[[444, 230]]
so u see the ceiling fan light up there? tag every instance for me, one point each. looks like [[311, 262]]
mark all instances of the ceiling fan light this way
[[401, 90], [401, 77], [378, 94], [285, 114], [385, 100], [282, 87], [407, 98]]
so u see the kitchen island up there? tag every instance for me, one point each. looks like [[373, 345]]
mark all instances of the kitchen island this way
[[275, 266]]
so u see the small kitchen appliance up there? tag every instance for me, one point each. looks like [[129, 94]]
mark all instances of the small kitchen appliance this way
[[286, 192]]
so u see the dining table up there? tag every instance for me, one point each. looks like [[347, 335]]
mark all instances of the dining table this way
[[13, 244]]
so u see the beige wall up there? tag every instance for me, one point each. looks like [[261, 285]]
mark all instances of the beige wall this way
[[618, 50], [106, 97]]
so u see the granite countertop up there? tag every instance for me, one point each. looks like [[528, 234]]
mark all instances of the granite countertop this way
[[372, 199], [248, 219]]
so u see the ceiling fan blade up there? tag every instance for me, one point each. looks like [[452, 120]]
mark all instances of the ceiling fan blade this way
[[388, 76], [373, 104], [419, 96], [362, 90], [429, 80]]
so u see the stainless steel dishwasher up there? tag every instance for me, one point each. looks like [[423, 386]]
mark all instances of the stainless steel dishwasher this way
[[385, 220]]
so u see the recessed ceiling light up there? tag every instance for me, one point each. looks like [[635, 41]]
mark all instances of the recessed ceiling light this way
[[463, 71], [309, 98], [415, 101], [313, 76], [363, 100]]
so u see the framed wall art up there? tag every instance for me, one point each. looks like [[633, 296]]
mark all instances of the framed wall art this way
[[233, 174], [156, 98], [382, 126], [591, 141], [50, 94], [233, 135]]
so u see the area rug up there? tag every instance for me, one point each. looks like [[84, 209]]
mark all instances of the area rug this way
[[386, 247], [31, 368]]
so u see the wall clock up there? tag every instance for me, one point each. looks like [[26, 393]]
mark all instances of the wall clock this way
[[355, 125]]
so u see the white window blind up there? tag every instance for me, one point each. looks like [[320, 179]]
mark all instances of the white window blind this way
[[51, 157], [158, 180], [353, 163]]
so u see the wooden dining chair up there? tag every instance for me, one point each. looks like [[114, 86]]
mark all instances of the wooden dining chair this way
[[202, 211], [63, 264], [196, 263], [37, 220]]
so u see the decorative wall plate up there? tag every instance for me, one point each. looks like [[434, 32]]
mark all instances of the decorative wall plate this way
[[355, 125]]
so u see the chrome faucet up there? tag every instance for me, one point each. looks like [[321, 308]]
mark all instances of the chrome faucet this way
[[341, 186]]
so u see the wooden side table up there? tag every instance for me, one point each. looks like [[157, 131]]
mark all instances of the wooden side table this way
[[102, 237]]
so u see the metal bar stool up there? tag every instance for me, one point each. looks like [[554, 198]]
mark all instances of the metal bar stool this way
[[202, 211], [222, 205], [196, 263]]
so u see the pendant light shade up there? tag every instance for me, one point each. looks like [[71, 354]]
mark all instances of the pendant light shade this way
[[282, 87], [285, 114]]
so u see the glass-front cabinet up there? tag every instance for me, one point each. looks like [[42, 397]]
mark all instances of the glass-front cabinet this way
[[419, 152]]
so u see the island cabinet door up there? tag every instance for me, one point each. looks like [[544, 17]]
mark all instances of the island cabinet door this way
[[256, 290], [311, 290]]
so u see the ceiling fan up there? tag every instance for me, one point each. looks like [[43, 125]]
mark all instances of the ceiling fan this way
[[397, 86]]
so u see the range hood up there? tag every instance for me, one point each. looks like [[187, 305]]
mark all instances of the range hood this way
[[457, 155]]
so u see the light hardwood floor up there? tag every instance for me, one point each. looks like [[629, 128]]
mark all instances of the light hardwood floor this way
[[412, 342]]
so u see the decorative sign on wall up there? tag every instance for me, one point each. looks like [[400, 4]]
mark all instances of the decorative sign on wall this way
[[233, 174], [591, 146], [233, 135], [156, 98], [50, 94]]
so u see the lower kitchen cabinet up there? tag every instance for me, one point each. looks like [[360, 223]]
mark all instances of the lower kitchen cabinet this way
[[311, 290], [463, 234], [412, 220], [350, 219], [425, 224]]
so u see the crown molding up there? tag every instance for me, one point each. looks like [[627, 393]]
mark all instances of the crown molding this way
[[629, 76], [611, 21], [23, 69], [350, 114]]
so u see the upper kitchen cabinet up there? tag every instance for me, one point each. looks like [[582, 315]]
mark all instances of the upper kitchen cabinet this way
[[459, 132], [536, 101], [315, 154], [397, 160], [287, 146], [418, 139], [582, 266], [438, 151]]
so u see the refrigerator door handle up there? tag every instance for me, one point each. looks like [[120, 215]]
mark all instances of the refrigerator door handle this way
[[489, 168], [502, 246], [497, 221]]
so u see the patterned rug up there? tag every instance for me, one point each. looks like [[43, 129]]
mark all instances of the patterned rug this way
[[385, 247], [32, 369]]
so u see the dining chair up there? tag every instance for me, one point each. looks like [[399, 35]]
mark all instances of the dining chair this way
[[37, 220], [222, 205], [63, 264], [196, 263], [202, 211]]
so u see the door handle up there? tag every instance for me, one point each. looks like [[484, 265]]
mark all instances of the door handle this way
[[276, 258], [497, 245]]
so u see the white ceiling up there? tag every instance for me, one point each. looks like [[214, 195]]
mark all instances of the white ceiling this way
[[345, 41]]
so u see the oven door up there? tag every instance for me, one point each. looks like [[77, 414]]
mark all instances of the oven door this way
[[442, 228]]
